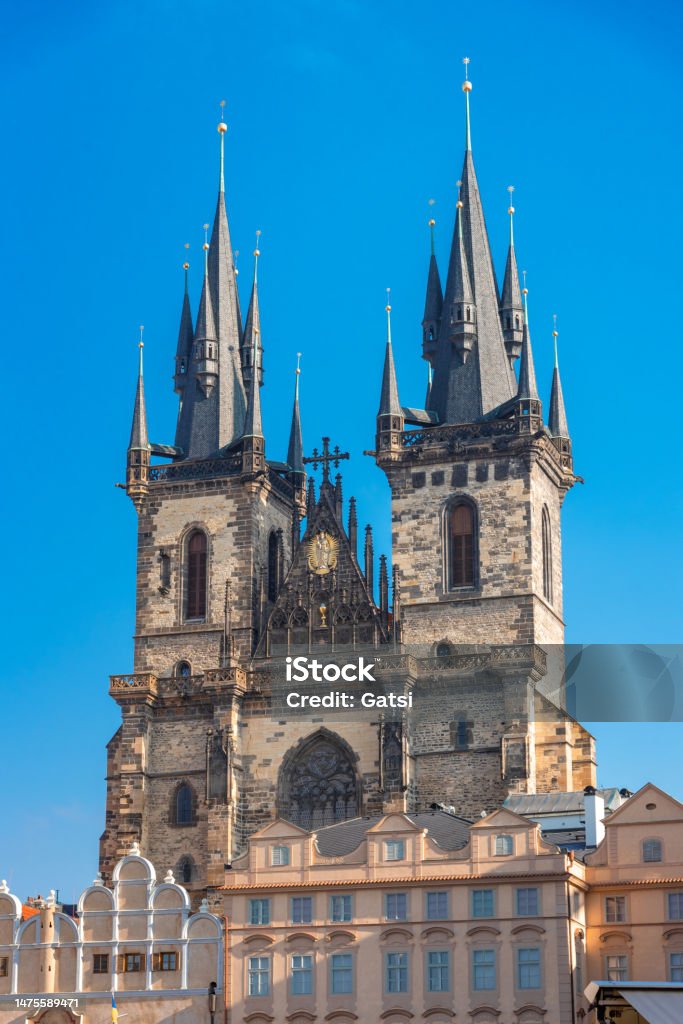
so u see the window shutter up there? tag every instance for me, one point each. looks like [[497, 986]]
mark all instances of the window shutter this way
[[120, 963], [156, 961]]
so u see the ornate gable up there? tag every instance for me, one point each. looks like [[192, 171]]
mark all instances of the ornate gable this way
[[325, 600]]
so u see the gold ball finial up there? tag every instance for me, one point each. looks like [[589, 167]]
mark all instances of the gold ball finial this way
[[460, 204], [186, 265], [555, 334], [432, 222], [257, 252], [205, 247], [466, 85], [187, 245], [222, 126]]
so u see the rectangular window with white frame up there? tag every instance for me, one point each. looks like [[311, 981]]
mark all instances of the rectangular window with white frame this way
[[438, 971], [528, 903], [302, 909], [302, 974], [394, 849], [483, 904], [258, 975], [341, 908], [483, 970], [279, 856], [437, 906], [529, 967], [396, 906], [616, 967], [100, 964], [341, 974], [615, 909], [259, 911], [675, 906], [676, 967], [396, 969]]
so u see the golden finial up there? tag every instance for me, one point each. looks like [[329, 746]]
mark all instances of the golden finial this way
[[141, 343], [555, 336], [511, 209], [466, 85], [205, 247], [298, 363], [459, 203], [186, 265], [257, 251], [388, 305], [222, 126], [431, 222], [525, 290]]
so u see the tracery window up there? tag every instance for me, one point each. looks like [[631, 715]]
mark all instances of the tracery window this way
[[319, 785], [461, 541], [196, 576]]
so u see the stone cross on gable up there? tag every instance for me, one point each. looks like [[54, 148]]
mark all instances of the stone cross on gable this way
[[326, 458]]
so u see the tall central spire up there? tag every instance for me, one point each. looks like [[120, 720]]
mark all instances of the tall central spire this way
[[213, 400], [473, 379]]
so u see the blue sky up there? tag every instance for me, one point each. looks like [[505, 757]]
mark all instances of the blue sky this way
[[345, 118]]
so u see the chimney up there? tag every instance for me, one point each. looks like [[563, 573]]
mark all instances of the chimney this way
[[594, 812]]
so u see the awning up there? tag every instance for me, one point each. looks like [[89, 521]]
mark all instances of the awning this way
[[656, 1007]]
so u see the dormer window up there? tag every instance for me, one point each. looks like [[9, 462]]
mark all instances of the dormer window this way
[[394, 849], [504, 846], [279, 856]]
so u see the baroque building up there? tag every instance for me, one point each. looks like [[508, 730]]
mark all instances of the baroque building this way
[[244, 561]]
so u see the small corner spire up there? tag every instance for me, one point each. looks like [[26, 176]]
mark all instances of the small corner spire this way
[[295, 450], [511, 311], [389, 404], [557, 416], [467, 89], [222, 129], [252, 328], [138, 433], [527, 389], [433, 300], [139, 451]]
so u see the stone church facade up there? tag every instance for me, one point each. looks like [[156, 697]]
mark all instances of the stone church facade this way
[[244, 560]]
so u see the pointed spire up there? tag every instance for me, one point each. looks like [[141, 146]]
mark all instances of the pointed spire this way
[[310, 499], [252, 327], [252, 420], [295, 451], [369, 560], [185, 336], [206, 325], [433, 302], [353, 526], [383, 589], [527, 389], [465, 388], [389, 404], [511, 301], [226, 413], [557, 417], [138, 432], [467, 89]]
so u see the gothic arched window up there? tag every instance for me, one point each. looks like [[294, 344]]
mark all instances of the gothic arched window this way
[[273, 567], [183, 805], [319, 783], [196, 576], [462, 547], [183, 670], [546, 541]]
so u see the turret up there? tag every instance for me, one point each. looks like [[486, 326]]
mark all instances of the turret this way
[[462, 319], [205, 335], [390, 418], [253, 441], [139, 451], [251, 339], [511, 311], [433, 304]]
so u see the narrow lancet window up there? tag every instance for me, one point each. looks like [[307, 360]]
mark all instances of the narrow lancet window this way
[[195, 599], [462, 546]]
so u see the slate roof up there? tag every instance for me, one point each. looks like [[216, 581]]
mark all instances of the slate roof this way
[[528, 804], [448, 830]]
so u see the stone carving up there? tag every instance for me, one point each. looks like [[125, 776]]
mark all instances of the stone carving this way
[[319, 786]]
